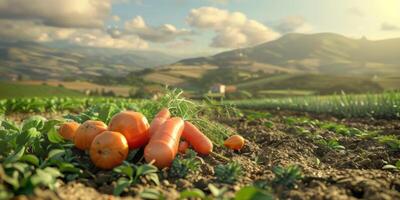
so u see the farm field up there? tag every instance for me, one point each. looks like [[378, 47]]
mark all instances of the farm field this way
[[9, 90], [381, 106], [83, 86], [287, 154]]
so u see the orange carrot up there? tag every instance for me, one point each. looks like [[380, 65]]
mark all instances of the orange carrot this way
[[163, 145], [164, 113], [235, 142], [183, 146], [200, 142], [158, 120]]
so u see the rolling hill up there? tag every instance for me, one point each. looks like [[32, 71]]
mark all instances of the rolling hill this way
[[323, 63], [40, 61], [324, 53]]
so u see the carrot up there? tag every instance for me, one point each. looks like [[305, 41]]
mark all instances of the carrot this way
[[200, 142], [158, 120], [183, 146], [164, 113], [235, 142], [163, 145]]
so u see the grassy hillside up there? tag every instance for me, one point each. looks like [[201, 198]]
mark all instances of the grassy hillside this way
[[12, 90], [266, 84], [324, 53], [322, 84], [37, 61]]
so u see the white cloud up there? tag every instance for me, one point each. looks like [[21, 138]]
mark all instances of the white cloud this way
[[23, 30], [59, 13], [293, 24], [31, 31], [232, 29], [163, 33], [97, 38]]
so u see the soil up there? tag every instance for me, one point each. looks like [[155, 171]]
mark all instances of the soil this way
[[353, 173]]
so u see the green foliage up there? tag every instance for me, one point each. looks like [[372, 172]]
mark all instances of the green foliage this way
[[252, 193], [228, 173], [36, 134], [383, 106], [245, 193], [341, 129], [54, 104], [190, 111], [192, 193], [33, 154], [286, 177], [101, 112], [395, 167], [332, 144], [130, 174], [391, 141], [23, 172], [254, 115], [219, 109], [153, 194], [182, 166], [304, 121], [12, 90]]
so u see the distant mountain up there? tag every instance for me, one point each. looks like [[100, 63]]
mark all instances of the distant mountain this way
[[40, 61], [324, 53]]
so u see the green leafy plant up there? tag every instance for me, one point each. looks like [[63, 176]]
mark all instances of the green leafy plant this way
[[183, 165], [36, 134], [228, 173], [25, 172], [286, 177], [151, 194], [379, 106], [269, 124], [391, 141], [252, 193], [341, 129], [253, 115], [332, 144], [395, 167], [130, 174]]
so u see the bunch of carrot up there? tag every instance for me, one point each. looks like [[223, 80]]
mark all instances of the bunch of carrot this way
[[109, 145], [165, 133]]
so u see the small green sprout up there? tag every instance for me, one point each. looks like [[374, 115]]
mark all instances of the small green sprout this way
[[130, 174], [182, 166], [228, 173], [286, 177], [390, 140], [331, 144]]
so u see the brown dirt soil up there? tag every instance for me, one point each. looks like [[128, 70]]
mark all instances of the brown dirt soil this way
[[353, 173]]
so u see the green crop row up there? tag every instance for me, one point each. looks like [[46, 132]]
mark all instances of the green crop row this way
[[380, 106], [53, 104]]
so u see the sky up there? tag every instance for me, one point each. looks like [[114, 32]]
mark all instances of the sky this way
[[191, 27]]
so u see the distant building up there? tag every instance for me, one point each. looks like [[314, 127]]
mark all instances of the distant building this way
[[218, 88]]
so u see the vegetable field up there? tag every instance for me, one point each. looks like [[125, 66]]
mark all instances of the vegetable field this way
[[333, 147], [380, 106]]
